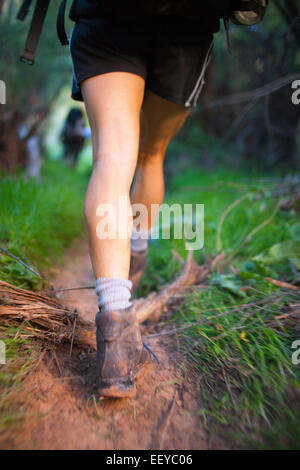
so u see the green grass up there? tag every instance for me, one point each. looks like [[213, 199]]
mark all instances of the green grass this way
[[217, 191], [38, 220], [241, 355], [241, 358], [21, 357]]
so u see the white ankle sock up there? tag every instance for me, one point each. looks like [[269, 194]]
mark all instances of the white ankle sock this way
[[139, 239], [113, 293]]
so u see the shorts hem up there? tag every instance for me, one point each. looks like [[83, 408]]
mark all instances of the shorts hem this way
[[76, 93], [169, 97]]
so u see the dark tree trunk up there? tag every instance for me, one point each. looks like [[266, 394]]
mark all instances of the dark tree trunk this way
[[13, 150], [290, 12], [1, 7]]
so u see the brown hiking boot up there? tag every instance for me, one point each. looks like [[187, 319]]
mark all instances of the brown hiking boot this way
[[138, 264], [120, 352]]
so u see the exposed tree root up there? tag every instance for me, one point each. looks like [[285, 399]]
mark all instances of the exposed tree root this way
[[153, 306], [43, 317]]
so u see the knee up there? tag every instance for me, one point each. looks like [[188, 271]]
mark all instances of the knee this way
[[113, 157], [116, 165], [151, 157]]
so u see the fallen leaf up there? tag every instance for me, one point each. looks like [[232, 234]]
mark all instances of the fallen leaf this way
[[284, 285], [243, 336]]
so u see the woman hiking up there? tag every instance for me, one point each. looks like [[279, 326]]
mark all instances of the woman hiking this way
[[139, 67]]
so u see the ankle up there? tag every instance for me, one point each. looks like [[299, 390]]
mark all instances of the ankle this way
[[113, 293]]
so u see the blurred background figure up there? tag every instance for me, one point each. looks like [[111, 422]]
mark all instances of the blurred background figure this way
[[32, 141], [34, 162], [73, 136]]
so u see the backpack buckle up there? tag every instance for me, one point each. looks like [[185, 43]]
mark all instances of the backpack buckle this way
[[26, 60]]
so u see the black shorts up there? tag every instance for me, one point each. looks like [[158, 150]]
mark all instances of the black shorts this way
[[170, 53]]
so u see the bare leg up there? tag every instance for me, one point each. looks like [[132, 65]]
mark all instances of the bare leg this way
[[160, 121], [113, 102]]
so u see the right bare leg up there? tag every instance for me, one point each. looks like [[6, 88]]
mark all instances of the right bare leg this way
[[113, 102]]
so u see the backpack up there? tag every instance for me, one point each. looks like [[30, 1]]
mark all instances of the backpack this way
[[248, 12], [36, 26]]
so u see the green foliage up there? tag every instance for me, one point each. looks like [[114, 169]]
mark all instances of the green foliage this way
[[28, 86], [287, 250], [228, 282], [38, 220], [243, 355], [218, 190], [229, 331]]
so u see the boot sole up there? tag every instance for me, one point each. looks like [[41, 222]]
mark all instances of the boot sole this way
[[123, 387], [116, 392]]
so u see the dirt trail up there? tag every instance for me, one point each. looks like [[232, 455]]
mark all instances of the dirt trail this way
[[65, 412]]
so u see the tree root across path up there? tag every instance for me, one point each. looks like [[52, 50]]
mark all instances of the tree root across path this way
[[45, 317], [153, 305]]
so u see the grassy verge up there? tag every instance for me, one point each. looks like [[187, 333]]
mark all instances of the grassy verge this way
[[21, 358], [238, 332], [242, 354], [38, 220]]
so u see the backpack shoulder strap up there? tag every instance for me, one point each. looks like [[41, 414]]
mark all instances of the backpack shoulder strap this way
[[60, 24], [24, 9], [35, 30]]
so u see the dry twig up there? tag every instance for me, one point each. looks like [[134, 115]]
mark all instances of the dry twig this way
[[42, 317]]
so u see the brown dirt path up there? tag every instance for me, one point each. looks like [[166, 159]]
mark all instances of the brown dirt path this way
[[64, 411]]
